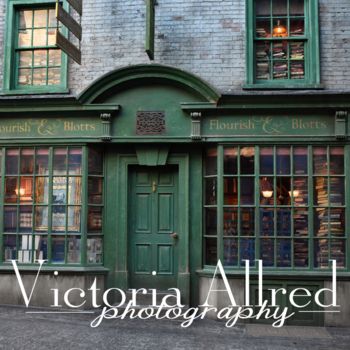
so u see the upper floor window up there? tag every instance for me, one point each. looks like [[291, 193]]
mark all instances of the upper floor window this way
[[282, 43], [33, 64]]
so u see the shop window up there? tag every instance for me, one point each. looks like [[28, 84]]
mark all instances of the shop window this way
[[285, 205], [282, 43], [44, 205], [33, 63]]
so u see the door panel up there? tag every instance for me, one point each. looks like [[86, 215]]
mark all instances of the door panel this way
[[152, 218]]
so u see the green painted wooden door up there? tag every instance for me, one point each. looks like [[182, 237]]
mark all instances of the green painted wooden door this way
[[153, 220]]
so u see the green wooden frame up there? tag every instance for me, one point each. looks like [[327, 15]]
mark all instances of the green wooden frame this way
[[220, 205], [312, 55], [10, 65], [116, 252], [83, 233]]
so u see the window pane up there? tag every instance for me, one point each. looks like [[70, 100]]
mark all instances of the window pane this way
[[39, 76], [41, 218], [25, 249], [39, 37], [266, 160], [337, 191], [54, 57], [26, 189], [247, 251], [42, 161], [283, 160], [40, 18], [41, 247], [94, 250], [74, 215], [284, 257], [25, 19], [51, 37], [267, 252], [301, 222], [95, 187], [210, 191], [263, 28], [59, 189], [266, 191], [283, 190], [95, 162], [230, 252], [230, 221], [25, 58], [230, 191], [24, 38], [59, 218], [40, 58], [279, 7], [321, 222], [11, 189], [338, 252], [210, 251], [73, 251], [300, 191], [321, 253], [230, 161], [41, 190], [300, 160], [279, 50], [12, 157], [60, 161], [10, 250], [24, 77], [58, 249], [267, 222], [320, 160], [301, 253], [52, 18], [247, 160], [283, 222], [74, 190], [247, 222], [297, 27], [10, 219], [74, 161], [247, 191], [211, 222], [262, 60], [262, 7], [54, 76], [25, 218], [337, 222], [297, 70], [280, 70], [27, 161], [296, 7], [336, 160], [94, 219], [321, 191]]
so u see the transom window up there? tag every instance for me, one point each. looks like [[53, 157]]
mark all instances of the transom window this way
[[283, 42], [285, 205], [45, 212]]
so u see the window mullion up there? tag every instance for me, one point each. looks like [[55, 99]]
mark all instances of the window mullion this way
[[220, 202]]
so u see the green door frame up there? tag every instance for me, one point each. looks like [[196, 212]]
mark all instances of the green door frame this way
[[120, 273]]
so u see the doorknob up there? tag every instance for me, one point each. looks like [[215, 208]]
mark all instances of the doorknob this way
[[174, 235]]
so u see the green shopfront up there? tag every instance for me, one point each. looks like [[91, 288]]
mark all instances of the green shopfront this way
[[150, 176]]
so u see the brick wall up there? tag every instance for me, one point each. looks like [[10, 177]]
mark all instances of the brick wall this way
[[204, 37]]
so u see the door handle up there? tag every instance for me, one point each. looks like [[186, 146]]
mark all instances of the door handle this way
[[174, 235]]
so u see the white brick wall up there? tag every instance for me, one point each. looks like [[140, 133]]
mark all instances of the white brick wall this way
[[205, 37]]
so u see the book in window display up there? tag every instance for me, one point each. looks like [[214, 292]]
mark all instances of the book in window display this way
[[321, 253], [301, 253], [338, 252], [230, 252], [300, 222]]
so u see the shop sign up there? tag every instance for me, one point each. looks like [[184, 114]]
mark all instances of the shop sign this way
[[268, 126], [23, 128]]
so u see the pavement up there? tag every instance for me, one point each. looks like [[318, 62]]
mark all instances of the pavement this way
[[40, 330]]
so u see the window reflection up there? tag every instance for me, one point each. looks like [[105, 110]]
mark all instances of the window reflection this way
[[247, 160]]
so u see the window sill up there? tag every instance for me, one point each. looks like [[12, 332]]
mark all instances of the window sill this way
[[285, 86], [281, 274], [69, 269], [57, 90]]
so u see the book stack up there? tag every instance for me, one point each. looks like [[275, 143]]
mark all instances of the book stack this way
[[280, 70], [300, 185], [338, 252], [321, 191], [337, 226], [261, 32], [301, 223], [322, 256], [301, 255], [296, 50], [336, 195], [278, 51], [321, 222], [262, 70], [297, 70], [297, 31]]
